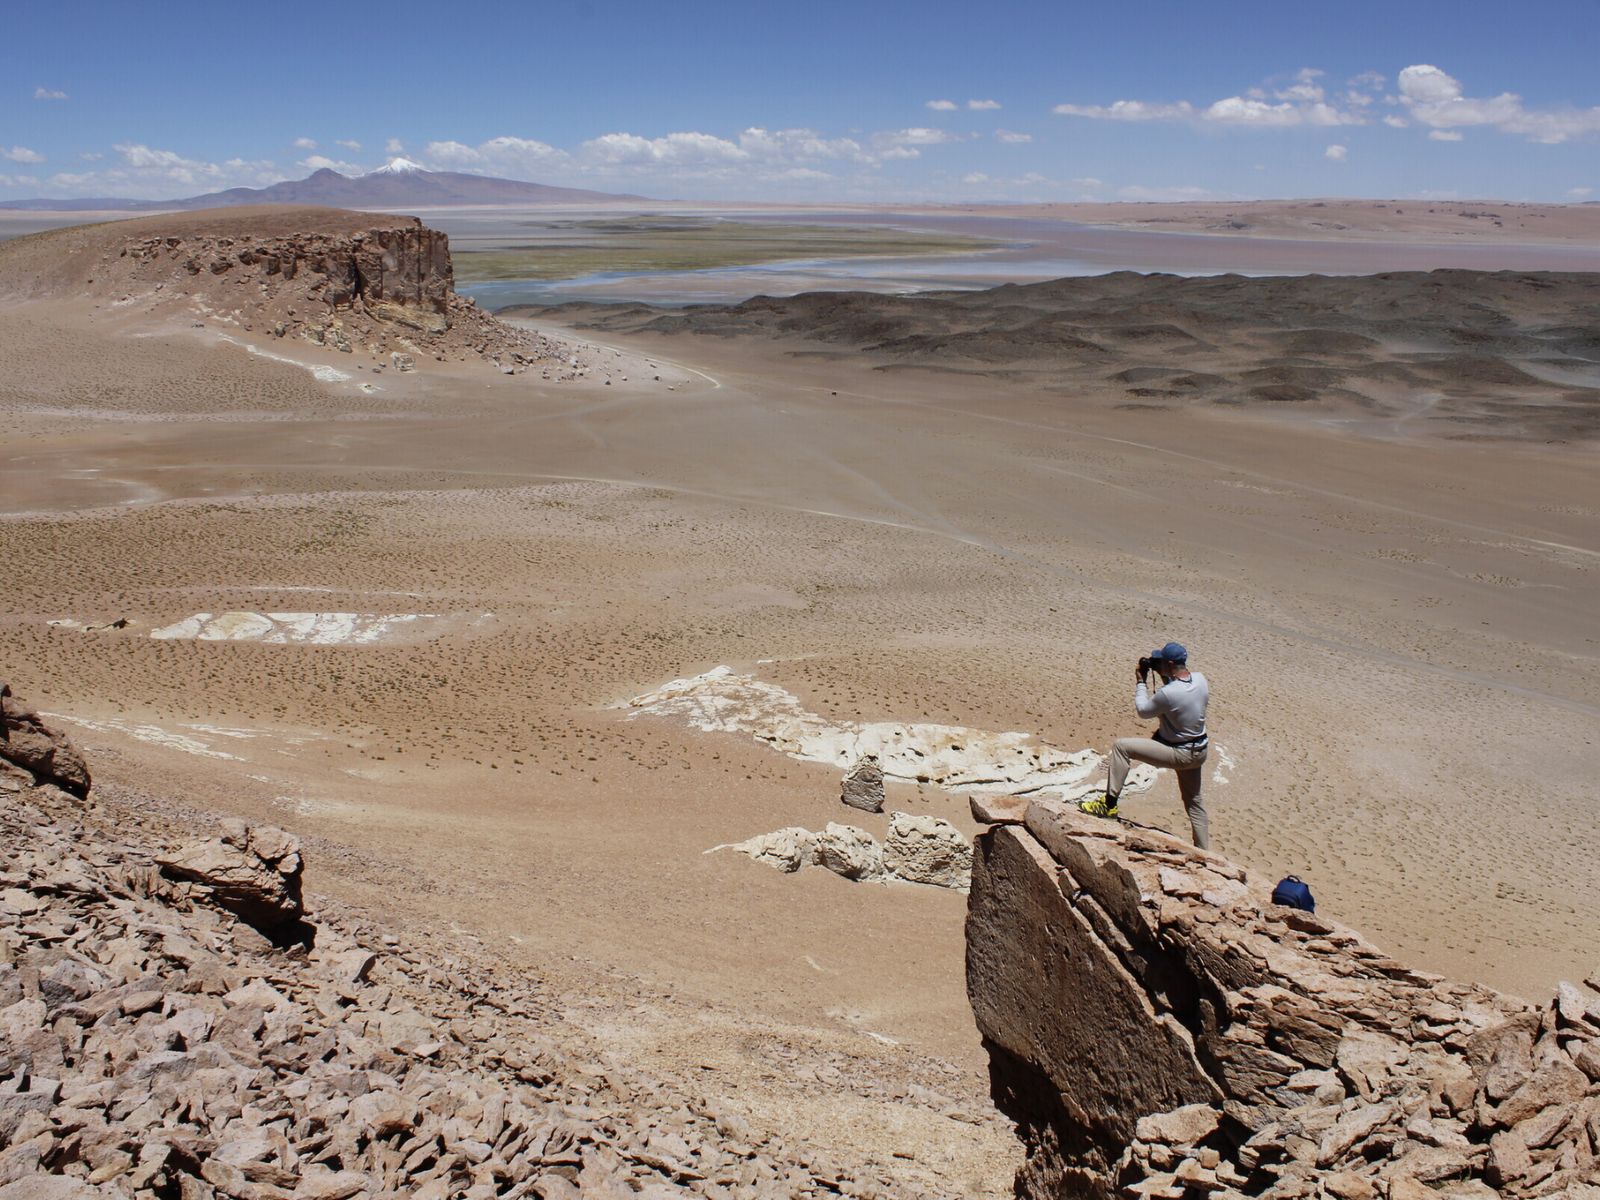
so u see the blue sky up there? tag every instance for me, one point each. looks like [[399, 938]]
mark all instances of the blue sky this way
[[870, 100]]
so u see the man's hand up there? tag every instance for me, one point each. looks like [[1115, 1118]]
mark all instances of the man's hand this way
[[1140, 675]]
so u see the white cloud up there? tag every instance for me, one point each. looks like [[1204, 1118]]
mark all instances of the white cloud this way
[[394, 146], [44, 93], [10, 181], [1368, 79], [21, 154], [1127, 110], [942, 105], [1336, 152], [908, 143], [1444, 135], [149, 173], [1011, 137], [1436, 99], [498, 155], [1579, 193], [319, 162], [984, 105], [1303, 101], [349, 144], [91, 156], [1395, 122], [304, 143], [974, 177]]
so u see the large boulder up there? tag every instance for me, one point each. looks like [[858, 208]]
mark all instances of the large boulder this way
[[252, 871], [39, 748], [927, 849]]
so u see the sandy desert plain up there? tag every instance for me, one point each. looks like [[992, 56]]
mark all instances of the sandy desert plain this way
[[1369, 506]]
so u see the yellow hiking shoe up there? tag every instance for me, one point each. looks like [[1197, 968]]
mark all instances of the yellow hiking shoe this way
[[1099, 806]]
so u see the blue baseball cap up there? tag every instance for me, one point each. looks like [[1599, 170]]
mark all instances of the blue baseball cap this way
[[1171, 652]]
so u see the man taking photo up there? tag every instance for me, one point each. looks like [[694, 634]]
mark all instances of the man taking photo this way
[[1179, 743]]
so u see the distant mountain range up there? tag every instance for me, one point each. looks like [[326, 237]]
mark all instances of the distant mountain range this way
[[400, 184]]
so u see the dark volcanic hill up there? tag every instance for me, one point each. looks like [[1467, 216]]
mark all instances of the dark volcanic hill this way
[[1463, 353], [401, 184]]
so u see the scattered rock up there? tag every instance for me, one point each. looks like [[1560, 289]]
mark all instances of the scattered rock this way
[[863, 787], [252, 871]]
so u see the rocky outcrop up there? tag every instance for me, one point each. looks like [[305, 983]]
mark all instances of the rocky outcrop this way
[[36, 751], [153, 1047], [253, 872], [360, 283], [1159, 1028], [398, 262]]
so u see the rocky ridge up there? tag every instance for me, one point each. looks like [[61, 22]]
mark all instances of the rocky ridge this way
[[376, 285], [1159, 1028], [160, 1038]]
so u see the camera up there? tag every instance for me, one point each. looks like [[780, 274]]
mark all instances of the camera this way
[[1147, 665]]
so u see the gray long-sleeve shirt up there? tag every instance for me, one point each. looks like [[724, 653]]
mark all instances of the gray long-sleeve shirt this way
[[1181, 705]]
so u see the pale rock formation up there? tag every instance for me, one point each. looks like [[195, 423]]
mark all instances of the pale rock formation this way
[[863, 787], [918, 849], [786, 849], [29, 744], [922, 848], [851, 852], [1159, 1028]]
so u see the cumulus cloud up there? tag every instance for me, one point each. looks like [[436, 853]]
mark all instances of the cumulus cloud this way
[[983, 105], [394, 146], [44, 93], [1444, 135], [1298, 100], [349, 144], [1336, 152], [498, 155], [21, 154], [1127, 110], [1578, 193], [942, 105], [1436, 99], [1011, 137], [304, 143], [147, 172], [1396, 122], [908, 143], [319, 162]]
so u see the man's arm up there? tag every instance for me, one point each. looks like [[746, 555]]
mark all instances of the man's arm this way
[[1147, 704]]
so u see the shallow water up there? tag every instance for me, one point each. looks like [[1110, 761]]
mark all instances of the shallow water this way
[[1030, 249]]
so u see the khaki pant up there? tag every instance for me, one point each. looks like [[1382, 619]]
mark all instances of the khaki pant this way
[[1187, 762]]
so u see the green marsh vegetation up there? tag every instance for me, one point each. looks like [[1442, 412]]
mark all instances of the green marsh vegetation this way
[[570, 249]]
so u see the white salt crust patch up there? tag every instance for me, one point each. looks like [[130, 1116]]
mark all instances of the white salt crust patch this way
[[946, 756], [311, 628]]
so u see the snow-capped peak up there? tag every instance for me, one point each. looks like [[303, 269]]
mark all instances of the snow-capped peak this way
[[398, 166]]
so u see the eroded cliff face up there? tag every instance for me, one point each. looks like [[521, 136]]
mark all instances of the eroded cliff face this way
[[358, 283], [403, 263], [1157, 1027]]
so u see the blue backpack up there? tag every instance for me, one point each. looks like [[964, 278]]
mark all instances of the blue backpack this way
[[1292, 892]]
